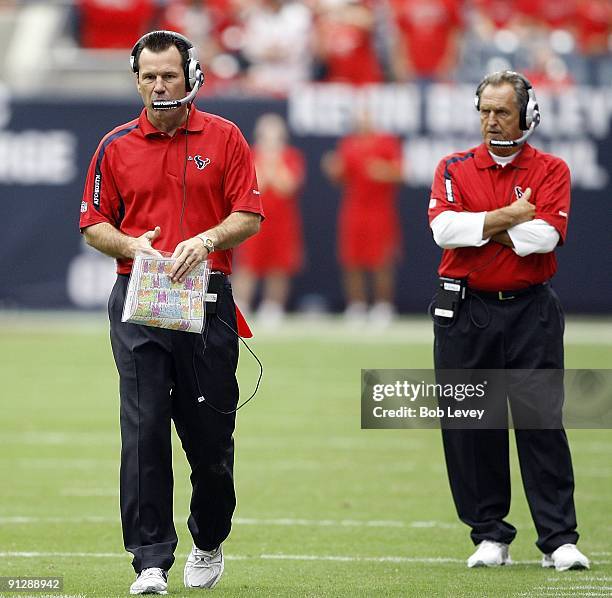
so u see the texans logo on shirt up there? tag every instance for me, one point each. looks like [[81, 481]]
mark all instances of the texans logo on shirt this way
[[201, 163], [518, 192]]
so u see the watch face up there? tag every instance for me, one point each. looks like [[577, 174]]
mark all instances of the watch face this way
[[208, 243]]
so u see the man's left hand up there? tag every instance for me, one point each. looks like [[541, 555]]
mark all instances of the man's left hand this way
[[188, 255]]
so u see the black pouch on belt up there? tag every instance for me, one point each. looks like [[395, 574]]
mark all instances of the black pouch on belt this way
[[450, 295], [213, 294]]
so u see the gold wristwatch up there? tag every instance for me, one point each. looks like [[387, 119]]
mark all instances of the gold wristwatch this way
[[208, 242]]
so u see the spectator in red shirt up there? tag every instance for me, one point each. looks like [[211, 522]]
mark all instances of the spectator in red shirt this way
[[545, 14], [276, 44], [275, 254], [108, 24], [426, 44], [594, 26], [368, 166], [344, 43], [593, 29], [215, 27], [494, 14]]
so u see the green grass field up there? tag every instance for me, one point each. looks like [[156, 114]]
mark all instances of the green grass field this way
[[324, 508]]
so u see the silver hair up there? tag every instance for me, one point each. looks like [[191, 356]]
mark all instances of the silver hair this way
[[520, 84]]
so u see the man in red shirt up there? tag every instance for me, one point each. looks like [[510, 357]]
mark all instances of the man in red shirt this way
[[181, 181], [344, 42], [498, 211], [426, 38], [367, 164], [276, 253]]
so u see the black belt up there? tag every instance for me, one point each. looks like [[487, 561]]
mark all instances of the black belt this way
[[508, 295]]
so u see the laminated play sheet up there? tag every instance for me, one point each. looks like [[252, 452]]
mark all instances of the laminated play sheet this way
[[152, 298]]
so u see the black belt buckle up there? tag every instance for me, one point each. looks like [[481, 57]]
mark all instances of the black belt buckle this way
[[213, 293]]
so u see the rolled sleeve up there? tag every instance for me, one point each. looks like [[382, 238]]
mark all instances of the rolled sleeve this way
[[536, 236], [459, 229]]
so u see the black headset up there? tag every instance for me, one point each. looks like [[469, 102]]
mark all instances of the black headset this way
[[529, 112], [192, 69]]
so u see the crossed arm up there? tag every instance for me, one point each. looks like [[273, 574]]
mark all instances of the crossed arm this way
[[513, 226]]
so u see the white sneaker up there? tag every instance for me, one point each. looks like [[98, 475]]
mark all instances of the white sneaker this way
[[203, 568], [490, 554], [270, 314], [381, 315], [566, 557], [356, 314], [150, 581]]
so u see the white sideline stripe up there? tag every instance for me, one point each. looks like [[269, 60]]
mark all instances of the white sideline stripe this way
[[364, 559], [19, 519], [328, 328], [85, 519], [551, 588], [269, 557], [274, 557], [85, 492]]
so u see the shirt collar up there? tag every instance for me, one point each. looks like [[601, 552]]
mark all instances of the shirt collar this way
[[483, 159], [195, 124]]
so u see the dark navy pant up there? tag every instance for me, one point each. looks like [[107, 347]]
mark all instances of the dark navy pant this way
[[158, 383], [523, 333]]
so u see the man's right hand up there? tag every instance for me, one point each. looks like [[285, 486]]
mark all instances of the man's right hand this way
[[144, 243], [522, 209]]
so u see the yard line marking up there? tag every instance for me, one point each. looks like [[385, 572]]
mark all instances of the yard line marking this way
[[319, 522], [65, 463], [324, 329], [93, 555], [35, 555], [87, 492], [551, 588], [275, 557], [59, 438], [254, 521], [350, 559], [85, 519], [285, 521]]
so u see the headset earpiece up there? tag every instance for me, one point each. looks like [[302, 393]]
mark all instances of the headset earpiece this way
[[531, 112]]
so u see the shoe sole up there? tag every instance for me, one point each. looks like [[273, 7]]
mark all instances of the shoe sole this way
[[574, 567], [211, 586], [577, 566], [483, 564]]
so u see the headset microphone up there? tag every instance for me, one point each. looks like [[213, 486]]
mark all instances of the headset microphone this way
[[515, 142], [171, 104]]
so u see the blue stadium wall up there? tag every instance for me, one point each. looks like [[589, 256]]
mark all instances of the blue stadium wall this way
[[46, 145]]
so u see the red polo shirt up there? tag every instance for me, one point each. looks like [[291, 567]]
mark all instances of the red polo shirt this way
[[135, 181], [427, 27], [472, 182]]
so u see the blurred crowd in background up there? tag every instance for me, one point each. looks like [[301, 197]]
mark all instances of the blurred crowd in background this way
[[261, 51], [266, 47]]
